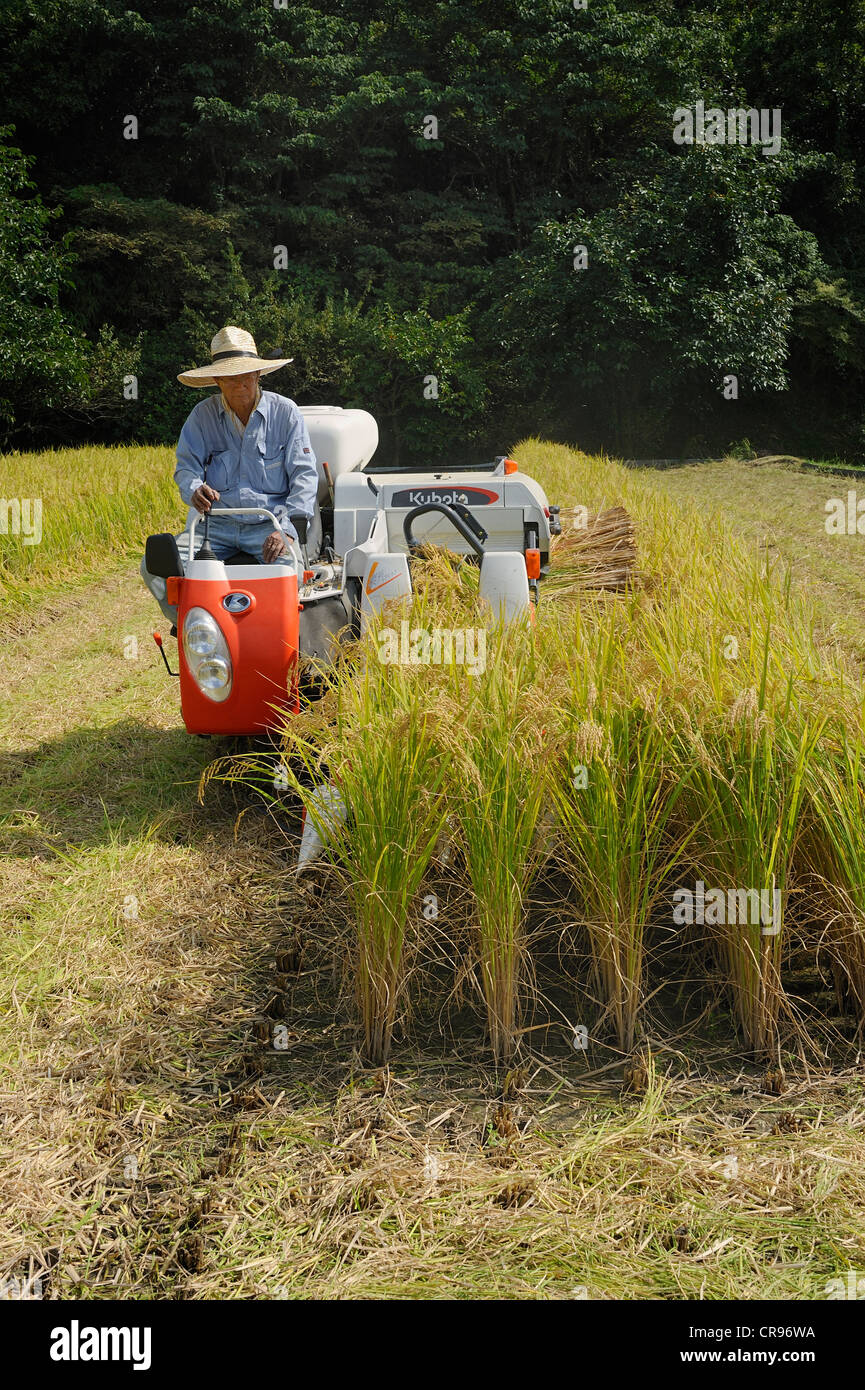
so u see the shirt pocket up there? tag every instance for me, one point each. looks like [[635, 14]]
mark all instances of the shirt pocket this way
[[271, 468], [220, 470]]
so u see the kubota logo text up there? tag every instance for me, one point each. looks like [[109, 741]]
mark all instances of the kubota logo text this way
[[466, 496]]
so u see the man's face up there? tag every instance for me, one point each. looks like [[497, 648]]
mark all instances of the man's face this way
[[239, 391]]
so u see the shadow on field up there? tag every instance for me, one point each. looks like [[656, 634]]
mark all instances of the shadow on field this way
[[93, 782]]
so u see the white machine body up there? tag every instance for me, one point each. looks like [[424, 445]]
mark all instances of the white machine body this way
[[342, 441], [369, 507], [506, 505]]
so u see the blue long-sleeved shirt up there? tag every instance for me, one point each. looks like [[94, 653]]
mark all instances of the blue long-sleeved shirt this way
[[270, 465]]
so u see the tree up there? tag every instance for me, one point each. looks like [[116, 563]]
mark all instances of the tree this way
[[46, 365], [692, 275], [305, 128]]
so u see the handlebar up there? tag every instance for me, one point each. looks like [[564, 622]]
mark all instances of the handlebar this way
[[235, 511]]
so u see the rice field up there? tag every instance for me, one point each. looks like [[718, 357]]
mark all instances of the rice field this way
[[690, 738], [70, 513], [485, 1049]]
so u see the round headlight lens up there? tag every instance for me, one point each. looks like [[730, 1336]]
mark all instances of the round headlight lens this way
[[213, 674], [201, 638]]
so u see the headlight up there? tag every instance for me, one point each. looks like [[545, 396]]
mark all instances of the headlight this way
[[200, 634], [213, 674], [207, 654]]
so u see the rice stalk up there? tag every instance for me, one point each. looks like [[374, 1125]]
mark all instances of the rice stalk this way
[[499, 789], [614, 799], [750, 780], [388, 763], [836, 850], [592, 552]]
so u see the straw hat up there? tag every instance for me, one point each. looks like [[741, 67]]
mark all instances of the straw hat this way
[[232, 352]]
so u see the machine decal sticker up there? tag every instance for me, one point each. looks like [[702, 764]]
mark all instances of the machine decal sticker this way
[[374, 588], [420, 496]]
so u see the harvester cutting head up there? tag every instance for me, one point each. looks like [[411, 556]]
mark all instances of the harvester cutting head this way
[[242, 626]]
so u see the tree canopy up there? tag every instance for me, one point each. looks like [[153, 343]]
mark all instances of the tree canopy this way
[[395, 193]]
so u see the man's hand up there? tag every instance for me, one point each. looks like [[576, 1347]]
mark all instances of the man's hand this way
[[273, 547], [202, 498]]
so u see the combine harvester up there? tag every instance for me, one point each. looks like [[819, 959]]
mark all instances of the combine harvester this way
[[242, 626]]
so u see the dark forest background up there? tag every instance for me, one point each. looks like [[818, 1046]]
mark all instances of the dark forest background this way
[[407, 257]]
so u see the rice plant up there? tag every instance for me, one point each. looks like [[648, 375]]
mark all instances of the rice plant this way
[[836, 851], [684, 763], [498, 789], [592, 552], [614, 800], [385, 759], [85, 527], [750, 780]]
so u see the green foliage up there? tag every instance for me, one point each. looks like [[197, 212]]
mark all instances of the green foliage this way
[[38, 351], [45, 364], [304, 128], [692, 275], [832, 322]]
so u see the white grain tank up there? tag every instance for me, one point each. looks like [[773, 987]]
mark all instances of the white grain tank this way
[[345, 440]]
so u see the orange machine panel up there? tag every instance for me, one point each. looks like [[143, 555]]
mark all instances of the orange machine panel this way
[[262, 642]]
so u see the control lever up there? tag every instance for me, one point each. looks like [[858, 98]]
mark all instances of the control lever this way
[[204, 550], [301, 525]]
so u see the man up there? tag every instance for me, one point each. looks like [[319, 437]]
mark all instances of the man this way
[[253, 446]]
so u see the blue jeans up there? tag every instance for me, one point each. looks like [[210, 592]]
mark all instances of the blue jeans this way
[[230, 533], [226, 534]]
